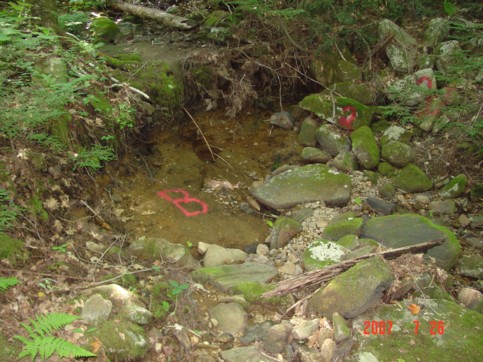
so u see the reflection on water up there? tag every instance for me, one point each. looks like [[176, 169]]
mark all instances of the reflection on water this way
[[185, 196]]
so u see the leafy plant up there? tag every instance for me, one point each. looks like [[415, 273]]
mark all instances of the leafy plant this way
[[6, 283], [60, 248], [8, 210], [269, 223], [170, 290], [92, 158], [41, 341], [176, 288], [450, 7]]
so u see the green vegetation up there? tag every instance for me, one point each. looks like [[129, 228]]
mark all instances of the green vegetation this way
[[6, 283], [41, 341], [163, 295]]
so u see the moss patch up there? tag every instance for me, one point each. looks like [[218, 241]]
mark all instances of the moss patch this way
[[12, 249]]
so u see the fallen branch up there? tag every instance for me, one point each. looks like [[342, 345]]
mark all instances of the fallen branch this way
[[318, 277], [159, 16]]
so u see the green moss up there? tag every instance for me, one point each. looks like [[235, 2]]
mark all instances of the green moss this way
[[412, 179], [8, 352], [203, 76], [364, 113], [344, 224], [460, 340], [386, 169], [37, 209], [365, 147], [120, 340], [455, 187], [104, 29], [59, 128], [12, 249], [122, 60]]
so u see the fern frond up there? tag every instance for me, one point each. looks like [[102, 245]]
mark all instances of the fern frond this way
[[46, 324], [45, 347], [6, 283], [67, 349]]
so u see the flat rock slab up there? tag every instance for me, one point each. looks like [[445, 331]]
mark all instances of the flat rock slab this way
[[305, 184], [396, 231], [228, 276]]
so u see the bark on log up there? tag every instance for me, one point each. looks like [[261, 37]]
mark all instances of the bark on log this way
[[318, 277], [159, 16]]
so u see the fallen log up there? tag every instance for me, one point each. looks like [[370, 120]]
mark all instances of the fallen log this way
[[159, 16], [317, 277]]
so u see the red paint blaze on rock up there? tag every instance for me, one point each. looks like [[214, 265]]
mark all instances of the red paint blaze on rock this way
[[425, 79], [185, 199], [346, 121]]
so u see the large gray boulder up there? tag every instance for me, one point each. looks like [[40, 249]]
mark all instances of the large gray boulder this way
[[305, 184]]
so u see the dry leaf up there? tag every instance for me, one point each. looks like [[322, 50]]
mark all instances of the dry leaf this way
[[96, 345], [51, 204], [414, 308]]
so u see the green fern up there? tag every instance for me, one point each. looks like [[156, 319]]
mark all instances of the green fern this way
[[41, 342], [6, 283], [450, 7]]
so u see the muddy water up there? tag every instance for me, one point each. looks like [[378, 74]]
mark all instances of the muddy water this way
[[178, 196]]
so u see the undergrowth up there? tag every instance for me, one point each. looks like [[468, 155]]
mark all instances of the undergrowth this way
[[42, 342]]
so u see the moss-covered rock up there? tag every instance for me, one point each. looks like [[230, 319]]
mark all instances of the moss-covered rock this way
[[12, 249], [387, 191], [471, 266], [120, 340], [354, 291], [331, 140], [386, 169], [412, 179], [359, 92], [104, 29], [306, 135], [436, 31], [314, 182], [345, 161], [331, 68], [315, 155], [397, 153], [358, 246], [455, 187], [322, 253], [395, 231], [252, 292], [365, 147], [342, 225], [283, 230], [396, 133], [446, 332], [345, 112]]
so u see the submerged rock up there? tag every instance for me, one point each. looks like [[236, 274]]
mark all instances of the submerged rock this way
[[304, 184], [395, 231]]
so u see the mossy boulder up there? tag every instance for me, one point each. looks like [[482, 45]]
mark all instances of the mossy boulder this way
[[306, 135], [332, 68], [12, 249], [104, 29], [283, 230], [226, 277], [397, 153], [304, 184], [342, 225], [436, 31], [402, 51], [344, 112], [155, 248], [455, 187], [446, 332], [412, 179], [396, 133], [386, 169], [345, 161], [322, 253], [358, 246], [471, 266], [315, 155], [365, 147], [387, 191], [252, 292], [120, 340], [354, 291], [331, 139], [357, 91], [395, 231]]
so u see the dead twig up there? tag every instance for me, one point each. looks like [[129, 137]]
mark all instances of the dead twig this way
[[317, 277]]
